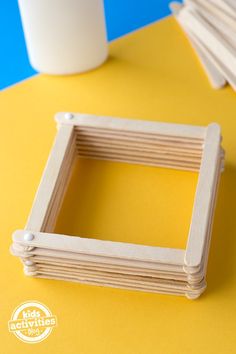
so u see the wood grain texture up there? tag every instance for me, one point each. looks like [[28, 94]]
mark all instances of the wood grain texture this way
[[136, 126], [50, 177], [202, 204], [118, 264]]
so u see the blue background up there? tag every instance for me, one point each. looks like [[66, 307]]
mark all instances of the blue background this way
[[122, 16]]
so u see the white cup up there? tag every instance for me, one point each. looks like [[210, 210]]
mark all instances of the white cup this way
[[64, 36]]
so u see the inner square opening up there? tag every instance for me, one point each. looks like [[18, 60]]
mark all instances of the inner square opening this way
[[125, 202]]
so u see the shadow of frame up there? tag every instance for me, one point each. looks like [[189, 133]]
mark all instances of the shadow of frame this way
[[222, 261]]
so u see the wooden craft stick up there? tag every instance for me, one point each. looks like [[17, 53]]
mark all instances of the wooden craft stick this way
[[177, 130], [49, 179], [191, 271], [154, 163], [143, 156], [102, 248], [209, 37], [53, 262], [106, 129], [229, 75], [165, 272], [216, 11], [231, 3], [181, 286], [96, 274], [122, 145], [59, 190], [136, 136], [225, 6], [214, 76], [162, 150], [208, 241], [133, 152], [166, 292], [59, 194], [202, 203], [157, 161], [125, 286], [116, 280], [37, 268], [132, 142], [227, 32], [23, 252]]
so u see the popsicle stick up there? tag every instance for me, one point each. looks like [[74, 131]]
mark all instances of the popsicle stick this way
[[208, 241], [146, 162], [59, 194], [23, 252], [124, 287], [225, 6], [128, 125], [214, 76], [134, 152], [157, 145], [227, 32], [59, 190], [123, 145], [149, 136], [101, 248], [231, 3], [165, 271], [209, 37], [202, 272], [216, 11], [52, 262], [202, 203], [143, 156], [134, 137], [50, 176], [134, 267], [96, 274], [145, 139], [229, 76], [174, 286], [109, 280], [38, 267]]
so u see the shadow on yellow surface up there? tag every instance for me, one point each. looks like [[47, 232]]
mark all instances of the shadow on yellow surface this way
[[222, 270]]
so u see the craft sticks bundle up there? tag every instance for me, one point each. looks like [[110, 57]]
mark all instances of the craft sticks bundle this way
[[211, 29], [130, 266]]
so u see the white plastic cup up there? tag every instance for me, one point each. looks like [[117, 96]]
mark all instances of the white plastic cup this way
[[64, 36]]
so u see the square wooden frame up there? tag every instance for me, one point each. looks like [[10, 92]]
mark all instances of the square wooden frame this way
[[74, 129]]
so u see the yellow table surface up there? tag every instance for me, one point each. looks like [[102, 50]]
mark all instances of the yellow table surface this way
[[151, 74]]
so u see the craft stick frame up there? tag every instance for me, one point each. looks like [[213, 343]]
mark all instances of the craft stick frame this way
[[178, 146]]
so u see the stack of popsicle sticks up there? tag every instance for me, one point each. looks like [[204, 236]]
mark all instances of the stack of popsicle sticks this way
[[211, 29], [132, 146], [130, 266]]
